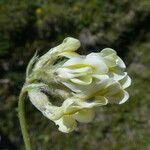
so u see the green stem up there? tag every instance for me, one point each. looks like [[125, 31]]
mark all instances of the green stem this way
[[23, 124]]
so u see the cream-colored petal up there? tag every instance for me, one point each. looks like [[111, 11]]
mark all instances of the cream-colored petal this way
[[73, 87], [117, 75], [83, 70], [38, 99], [83, 80], [53, 112], [110, 61], [75, 104], [65, 73], [84, 116], [74, 61], [66, 124], [113, 88], [107, 51], [70, 107], [69, 54], [71, 44], [42, 103], [68, 44], [120, 63], [125, 98], [119, 97], [100, 77], [101, 100], [125, 82], [93, 102], [109, 56], [76, 71], [95, 87], [97, 62]]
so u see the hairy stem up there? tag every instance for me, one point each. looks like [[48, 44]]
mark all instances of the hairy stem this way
[[23, 124]]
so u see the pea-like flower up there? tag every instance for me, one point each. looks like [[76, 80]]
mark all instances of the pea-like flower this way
[[81, 83]]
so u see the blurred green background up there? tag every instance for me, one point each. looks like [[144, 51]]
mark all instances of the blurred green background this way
[[30, 25]]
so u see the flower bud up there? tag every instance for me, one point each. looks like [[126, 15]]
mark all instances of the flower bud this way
[[66, 48]]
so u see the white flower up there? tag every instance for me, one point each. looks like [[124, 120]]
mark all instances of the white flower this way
[[84, 82], [72, 110], [81, 73]]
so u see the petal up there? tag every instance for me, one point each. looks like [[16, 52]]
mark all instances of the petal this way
[[70, 107], [84, 116], [102, 100], [65, 73], [77, 71], [69, 54], [38, 99], [110, 61], [68, 44], [125, 98], [113, 88], [71, 44], [100, 77], [117, 75], [120, 63], [86, 69], [83, 80], [41, 102], [93, 102], [66, 124], [53, 112], [107, 51], [96, 87], [95, 60], [73, 87], [125, 82], [74, 61], [119, 97], [109, 56]]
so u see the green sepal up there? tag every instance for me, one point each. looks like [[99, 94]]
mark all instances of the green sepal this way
[[31, 64]]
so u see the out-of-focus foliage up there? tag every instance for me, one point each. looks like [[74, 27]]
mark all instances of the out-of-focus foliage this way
[[29, 25]]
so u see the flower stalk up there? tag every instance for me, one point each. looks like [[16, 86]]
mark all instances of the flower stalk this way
[[22, 119]]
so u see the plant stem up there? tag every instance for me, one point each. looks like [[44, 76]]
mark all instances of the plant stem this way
[[23, 124]]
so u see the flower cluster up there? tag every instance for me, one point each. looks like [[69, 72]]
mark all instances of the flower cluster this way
[[84, 83]]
